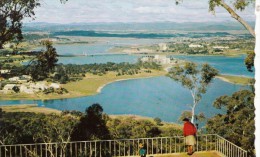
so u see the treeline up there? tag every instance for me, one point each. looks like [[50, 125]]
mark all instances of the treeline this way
[[27, 127], [71, 72]]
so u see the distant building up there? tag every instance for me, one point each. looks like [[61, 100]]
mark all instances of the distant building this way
[[21, 79], [195, 46], [147, 58], [14, 78], [4, 71], [55, 85], [26, 89], [39, 86], [162, 59], [26, 77], [163, 46], [8, 87], [220, 47]]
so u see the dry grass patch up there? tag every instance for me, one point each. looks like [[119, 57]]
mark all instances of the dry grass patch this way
[[235, 79], [29, 108]]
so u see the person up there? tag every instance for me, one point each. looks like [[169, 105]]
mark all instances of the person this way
[[189, 132], [142, 151]]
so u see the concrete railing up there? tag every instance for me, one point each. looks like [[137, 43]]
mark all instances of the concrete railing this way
[[122, 147]]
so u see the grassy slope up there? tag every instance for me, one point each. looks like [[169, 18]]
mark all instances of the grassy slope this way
[[90, 85], [235, 79], [29, 108]]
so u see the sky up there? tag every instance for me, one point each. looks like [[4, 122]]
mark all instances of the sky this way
[[89, 11]]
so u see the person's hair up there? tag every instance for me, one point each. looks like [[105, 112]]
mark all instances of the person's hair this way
[[186, 119]]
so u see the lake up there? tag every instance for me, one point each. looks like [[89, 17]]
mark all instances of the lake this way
[[152, 97]]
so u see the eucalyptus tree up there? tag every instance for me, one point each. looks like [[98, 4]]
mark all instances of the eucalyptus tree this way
[[12, 12], [195, 78], [237, 123], [237, 5], [232, 7], [44, 63]]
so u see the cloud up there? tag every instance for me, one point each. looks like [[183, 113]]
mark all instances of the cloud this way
[[131, 11]]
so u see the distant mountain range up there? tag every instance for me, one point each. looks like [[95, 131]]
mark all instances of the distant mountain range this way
[[158, 26]]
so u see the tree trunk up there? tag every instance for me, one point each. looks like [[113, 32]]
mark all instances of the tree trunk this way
[[192, 114], [237, 17]]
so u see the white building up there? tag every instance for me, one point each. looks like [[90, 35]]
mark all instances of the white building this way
[[9, 87], [26, 77], [163, 46], [39, 86], [26, 89], [4, 71], [55, 85], [220, 47], [162, 59], [14, 78], [195, 46]]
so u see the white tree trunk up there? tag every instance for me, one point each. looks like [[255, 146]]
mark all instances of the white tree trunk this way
[[193, 114]]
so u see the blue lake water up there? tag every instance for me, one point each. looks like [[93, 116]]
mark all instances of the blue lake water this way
[[118, 58], [153, 97], [225, 65]]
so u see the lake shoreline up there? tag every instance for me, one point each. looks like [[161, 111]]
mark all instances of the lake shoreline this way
[[92, 85], [99, 88]]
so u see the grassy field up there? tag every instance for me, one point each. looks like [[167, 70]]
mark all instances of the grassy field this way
[[235, 79], [89, 85], [92, 84], [29, 108]]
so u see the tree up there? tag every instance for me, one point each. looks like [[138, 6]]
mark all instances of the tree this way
[[238, 5], [52, 128], [195, 79], [92, 125], [237, 123], [158, 121], [12, 12], [249, 61], [44, 62]]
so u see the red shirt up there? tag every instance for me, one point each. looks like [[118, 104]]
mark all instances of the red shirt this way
[[189, 129]]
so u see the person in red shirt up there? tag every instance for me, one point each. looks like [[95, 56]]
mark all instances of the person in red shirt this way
[[189, 133]]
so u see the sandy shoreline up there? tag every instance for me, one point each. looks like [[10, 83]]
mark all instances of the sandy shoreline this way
[[102, 86]]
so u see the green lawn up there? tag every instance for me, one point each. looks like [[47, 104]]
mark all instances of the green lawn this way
[[89, 85], [235, 79]]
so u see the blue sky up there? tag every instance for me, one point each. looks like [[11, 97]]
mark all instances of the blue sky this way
[[87, 11]]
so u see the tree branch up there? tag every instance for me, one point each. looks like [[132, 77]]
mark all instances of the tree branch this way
[[237, 17]]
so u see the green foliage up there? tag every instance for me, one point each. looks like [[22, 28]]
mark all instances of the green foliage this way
[[72, 72], [158, 121], [44, 63], [249, 61], [237, 123], [23, 127], [238, 4], [194, 78], [132, 128], [12, 12], [92, 125]]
